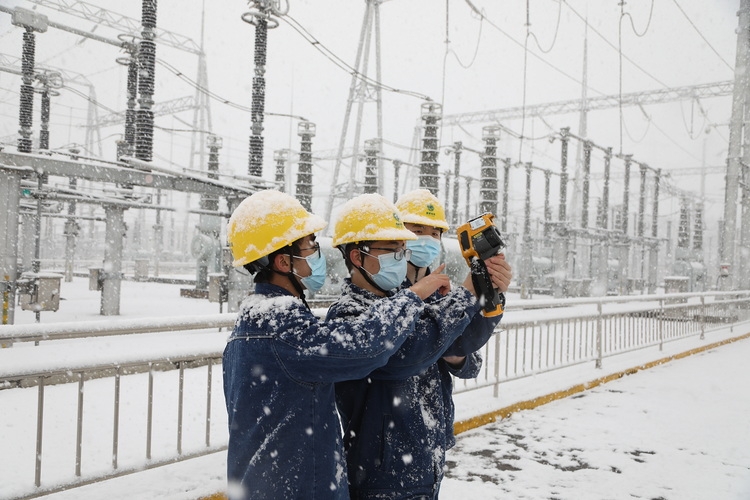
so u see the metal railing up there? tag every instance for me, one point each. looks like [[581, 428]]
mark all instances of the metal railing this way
[[558, 336], [612, 326]]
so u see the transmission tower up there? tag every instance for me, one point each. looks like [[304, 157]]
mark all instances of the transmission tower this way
[[360, 92]]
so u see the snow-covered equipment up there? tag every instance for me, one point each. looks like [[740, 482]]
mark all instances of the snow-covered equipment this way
[[480, 240], [39, 291]]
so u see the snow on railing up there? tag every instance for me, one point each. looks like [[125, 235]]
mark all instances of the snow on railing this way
[[157, 401]]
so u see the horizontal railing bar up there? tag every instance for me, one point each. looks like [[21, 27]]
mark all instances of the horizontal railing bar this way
[[124, 472], [111, 366], [61, 331]]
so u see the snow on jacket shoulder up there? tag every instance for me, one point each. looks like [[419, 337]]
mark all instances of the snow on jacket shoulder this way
[[279, 367]]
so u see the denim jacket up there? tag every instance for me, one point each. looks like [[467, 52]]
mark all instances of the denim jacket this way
[[396, 418], [279, 368]]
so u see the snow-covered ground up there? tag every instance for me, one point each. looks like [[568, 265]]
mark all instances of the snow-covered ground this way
[[674, 432], [678, 431]]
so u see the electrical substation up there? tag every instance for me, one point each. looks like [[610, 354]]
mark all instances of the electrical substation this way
[[69, 211]]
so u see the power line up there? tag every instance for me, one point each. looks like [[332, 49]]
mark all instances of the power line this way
[[613, 46], [474, 8], [557, 29], [701, 35], [632, 24], [330, 55]]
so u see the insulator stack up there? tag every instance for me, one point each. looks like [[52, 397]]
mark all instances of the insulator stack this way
[[281, 157], [683, 231], [144, 118], [698, 229], [44, 133], [372, 148], [396, 174], [211, 202], [561, 213], [132, 91], [306, 130], [488, 183], [255, 163], [456, 179], [547, 206], [527, 206], [618, 220], [428, 167], [626, 195], [586, 179], [26, 109]]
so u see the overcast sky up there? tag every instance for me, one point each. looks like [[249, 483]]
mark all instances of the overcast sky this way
[[483, 69]]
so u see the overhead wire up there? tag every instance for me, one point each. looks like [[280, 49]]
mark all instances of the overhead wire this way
[[503, 32], [330, 55], [632, 23], [703, 37], [557, 29], [613, 46]]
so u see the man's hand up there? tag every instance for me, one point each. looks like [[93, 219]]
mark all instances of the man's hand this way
[[434, 281], [500, 272]]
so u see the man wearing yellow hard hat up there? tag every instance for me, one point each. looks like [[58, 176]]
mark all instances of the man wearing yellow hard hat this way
[[281, 361], [398, 421]]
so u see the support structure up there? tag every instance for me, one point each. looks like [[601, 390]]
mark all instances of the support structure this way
[[456, 179], [306, 131], [488, 182], [112, 275], [653, 258], [10, 189], [360, 91], [281, 156], [372, 151], [428, 166], [506, 187], [734, 159], [526, 257]]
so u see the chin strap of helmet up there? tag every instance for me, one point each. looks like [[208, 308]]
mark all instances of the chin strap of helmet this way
[[367, 277], [293, 278]]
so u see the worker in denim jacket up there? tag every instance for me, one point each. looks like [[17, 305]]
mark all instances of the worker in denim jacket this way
[[281, 361], [398, 421]]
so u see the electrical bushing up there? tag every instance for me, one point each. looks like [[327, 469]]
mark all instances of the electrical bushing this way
[[281, 157], [144, 117], [372, 148], [144, 120], [488, 182], [148, 14], [255, 163], [26, 109], [306, 131], [44, 132], [428, 167]]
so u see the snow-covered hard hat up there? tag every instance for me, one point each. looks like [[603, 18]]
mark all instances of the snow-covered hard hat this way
[[422, 207], [265, 222], [369, 217]]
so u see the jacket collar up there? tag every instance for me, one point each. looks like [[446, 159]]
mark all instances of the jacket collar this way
[[270, 290]]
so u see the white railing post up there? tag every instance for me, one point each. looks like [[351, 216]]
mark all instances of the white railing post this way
[[703, 317], [599, 335], [661, 325]]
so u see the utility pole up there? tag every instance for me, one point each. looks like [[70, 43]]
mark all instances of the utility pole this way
[[735, 147]]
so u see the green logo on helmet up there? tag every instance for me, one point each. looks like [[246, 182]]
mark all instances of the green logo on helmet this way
[[430, 209], [398, 220]]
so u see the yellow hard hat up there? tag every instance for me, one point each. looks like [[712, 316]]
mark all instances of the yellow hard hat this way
[[422, 207], [265, 222], [369, 217]]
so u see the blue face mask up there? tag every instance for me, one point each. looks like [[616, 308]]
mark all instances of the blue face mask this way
[[317, 278], [423, 250], [392, 272]]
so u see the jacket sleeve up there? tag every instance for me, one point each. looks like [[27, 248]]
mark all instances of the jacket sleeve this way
[[343, 349], [442, 321], [476, 334], [470, 369]]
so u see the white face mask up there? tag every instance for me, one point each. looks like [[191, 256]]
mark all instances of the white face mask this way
[[423, 250]]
